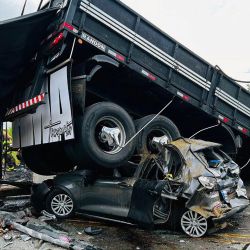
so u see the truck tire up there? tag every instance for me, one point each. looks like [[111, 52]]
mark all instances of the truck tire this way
[[46, 159], [95, 146], [160, 126]]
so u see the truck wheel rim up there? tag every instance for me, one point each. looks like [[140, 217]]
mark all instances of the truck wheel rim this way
[[152, 148], [156, 133], [193, 224], [106, 142], [62, 205]]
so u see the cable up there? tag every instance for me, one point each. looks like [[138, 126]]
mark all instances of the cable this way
[[241, 81], [24, 6], [40, 5], [245, 164], [204, 129], [133, 137]]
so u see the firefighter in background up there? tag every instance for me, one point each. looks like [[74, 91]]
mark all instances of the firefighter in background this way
[[10, 156]]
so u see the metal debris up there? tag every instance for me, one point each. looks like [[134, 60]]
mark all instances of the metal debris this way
[[62, 243], [7, 237], [92, 231], [7, 244], [25, 237], [47, 216]]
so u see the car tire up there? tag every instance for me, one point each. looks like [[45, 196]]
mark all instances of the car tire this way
[[47, 159], [160, 126], [60, 203], [92, 148]]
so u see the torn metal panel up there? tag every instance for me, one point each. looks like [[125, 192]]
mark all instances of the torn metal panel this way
[[211, 178]]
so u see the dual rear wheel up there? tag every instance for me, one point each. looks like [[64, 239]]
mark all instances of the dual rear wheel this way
[[102, 135]]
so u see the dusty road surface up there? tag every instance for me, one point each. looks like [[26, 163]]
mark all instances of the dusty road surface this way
[[118, 237]]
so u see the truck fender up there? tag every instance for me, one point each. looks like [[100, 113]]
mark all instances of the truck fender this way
[[103, 59], [225, 136], [97, 62], [232, 147]]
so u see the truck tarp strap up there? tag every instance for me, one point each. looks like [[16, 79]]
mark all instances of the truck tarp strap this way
[[20, 38]]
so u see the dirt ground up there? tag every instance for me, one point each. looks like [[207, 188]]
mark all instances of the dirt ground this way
[[117, 236]]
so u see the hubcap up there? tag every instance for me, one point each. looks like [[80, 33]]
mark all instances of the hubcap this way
[[193, 224], [110, 135], [62, 205], [156, 140]]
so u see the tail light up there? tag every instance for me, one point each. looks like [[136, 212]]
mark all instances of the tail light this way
[[57, 40]]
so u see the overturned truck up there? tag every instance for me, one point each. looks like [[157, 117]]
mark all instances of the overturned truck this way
[[84, 76]]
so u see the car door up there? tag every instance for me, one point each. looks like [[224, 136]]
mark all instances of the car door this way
[[108, 197]]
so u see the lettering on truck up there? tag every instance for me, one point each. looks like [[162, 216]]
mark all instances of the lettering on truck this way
[[52, 121], [93, 41]]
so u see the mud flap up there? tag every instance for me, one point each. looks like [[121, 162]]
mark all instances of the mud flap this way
[[52, 121]]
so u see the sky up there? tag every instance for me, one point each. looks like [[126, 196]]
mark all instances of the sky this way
[[216, 30]]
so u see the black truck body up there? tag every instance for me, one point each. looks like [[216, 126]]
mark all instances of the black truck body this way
[[125, 59], [144, 48]]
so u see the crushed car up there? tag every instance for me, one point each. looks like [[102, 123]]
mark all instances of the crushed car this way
[[199, 177]]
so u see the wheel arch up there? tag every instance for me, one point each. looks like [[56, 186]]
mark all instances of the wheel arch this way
[[74, 195]]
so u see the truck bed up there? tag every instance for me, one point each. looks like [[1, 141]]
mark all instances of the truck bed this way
[[120, 32]]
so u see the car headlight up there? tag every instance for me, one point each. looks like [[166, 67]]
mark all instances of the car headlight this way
[[207, 182]]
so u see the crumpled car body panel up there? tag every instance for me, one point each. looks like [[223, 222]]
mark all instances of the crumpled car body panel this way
[[223, 192], [201, 175]]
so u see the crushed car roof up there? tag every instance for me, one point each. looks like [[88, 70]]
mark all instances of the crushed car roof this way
[[184, 145]]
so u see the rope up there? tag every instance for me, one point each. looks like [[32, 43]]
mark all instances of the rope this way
[[204, 129]]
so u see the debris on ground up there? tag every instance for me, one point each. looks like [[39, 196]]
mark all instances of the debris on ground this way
[[24, 226], [47, 216], [92, 230], [19, 174], [50, 237], [15, 203]]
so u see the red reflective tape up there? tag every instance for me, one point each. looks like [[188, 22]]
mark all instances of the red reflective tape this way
[[148, 75], [244, 130], [120, 57], [67, 25], [186, 98], [26, 104], [224, 119], [152, 77]]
